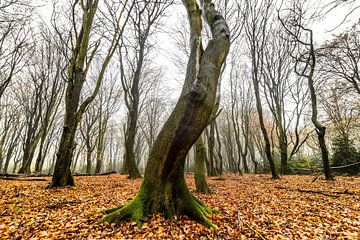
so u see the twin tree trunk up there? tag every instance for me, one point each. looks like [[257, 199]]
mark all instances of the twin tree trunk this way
[[164, 189]]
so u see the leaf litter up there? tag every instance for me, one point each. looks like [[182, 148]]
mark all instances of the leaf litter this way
[[250, 207]]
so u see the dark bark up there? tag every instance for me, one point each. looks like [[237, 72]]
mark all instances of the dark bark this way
[[305, 67], [164, 189], [256, 35], [78, 66], [263, 130], [219, 167]]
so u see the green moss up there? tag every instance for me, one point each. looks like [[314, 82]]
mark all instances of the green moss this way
[[198, 211], [146, 202], [133, 210]]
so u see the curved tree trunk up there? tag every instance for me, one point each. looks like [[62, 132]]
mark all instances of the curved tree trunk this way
[[164, 189]]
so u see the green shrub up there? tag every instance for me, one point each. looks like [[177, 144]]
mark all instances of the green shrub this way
[[345, 153]]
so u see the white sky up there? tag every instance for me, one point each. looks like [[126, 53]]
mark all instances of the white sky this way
[[323, 30]]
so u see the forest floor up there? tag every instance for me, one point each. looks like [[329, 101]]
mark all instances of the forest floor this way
[[250, 207]]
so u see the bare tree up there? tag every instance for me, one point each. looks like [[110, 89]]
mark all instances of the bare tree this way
[[164, 189], [305, 63], [14, 39], [144, 22], [257, 17], [78, 66], [88, 130], [340, 58], [108, 99]]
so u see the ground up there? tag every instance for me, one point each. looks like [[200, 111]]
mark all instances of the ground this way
[[250, 207]]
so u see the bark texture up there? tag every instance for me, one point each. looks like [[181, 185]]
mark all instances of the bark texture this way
[[199, 168], [78, 67], [164, 189]]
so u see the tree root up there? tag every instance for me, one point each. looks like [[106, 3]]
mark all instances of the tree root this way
[[197, 211], [136, 210], [133, 210]]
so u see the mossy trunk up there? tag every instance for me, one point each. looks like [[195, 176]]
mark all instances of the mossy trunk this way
[[199, 168], [62, 172], [164, 189]]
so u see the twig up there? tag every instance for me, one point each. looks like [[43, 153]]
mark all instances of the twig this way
[[253, 229], [24, 179], [316, 177], [318, 192]]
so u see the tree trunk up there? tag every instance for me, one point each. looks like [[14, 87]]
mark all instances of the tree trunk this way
[[212, 171], [199, 167], [99, 159], [8, 156], [62, 172], [263, 129], [219, 166], [27, 159], [40, 154], [88, 160], [324, 154], [130, 134], [164, 189]]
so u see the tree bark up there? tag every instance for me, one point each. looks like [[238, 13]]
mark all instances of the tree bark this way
[[164, 189], [199, 167], [77, 70]]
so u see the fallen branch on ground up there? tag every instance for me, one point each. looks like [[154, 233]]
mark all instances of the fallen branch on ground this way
[[24, 179], [250, 227], [323, 192], [318, 192]]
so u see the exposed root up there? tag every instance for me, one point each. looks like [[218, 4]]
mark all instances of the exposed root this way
[[197, 211], [111, 210], [132, 210], [171, 204]]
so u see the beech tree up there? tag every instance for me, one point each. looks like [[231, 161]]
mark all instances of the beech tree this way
[[199, 166], [305, 63], [79, 64], [14, 39], [257, 16], [144, 21], [164, 189]]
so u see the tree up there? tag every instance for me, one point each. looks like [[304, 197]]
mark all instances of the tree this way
[[88, 130], [305, 63], [144, 21], [164, 189], [108, 99], [340, 58], [257, 15], [40, 98], [276, 75], [14, 39], [199, 167], [79, 64]]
